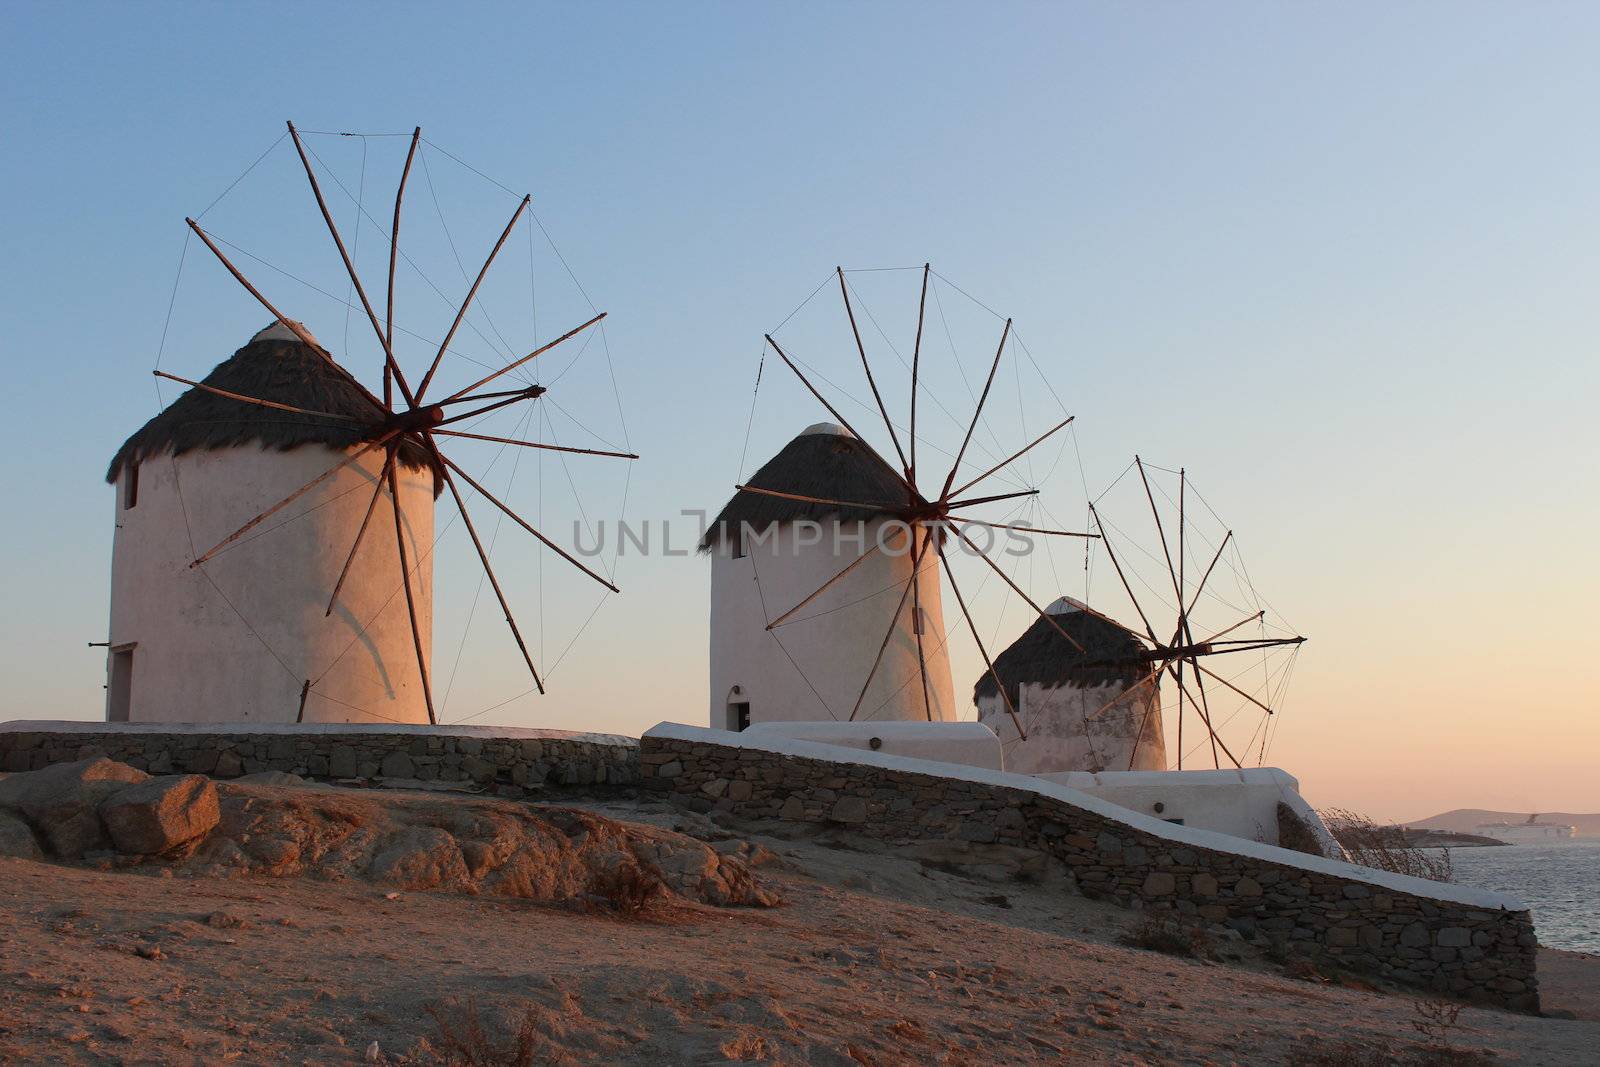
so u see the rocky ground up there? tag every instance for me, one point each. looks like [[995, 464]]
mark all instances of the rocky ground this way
[[201, 956]]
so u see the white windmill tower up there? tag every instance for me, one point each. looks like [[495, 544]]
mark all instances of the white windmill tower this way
[[193, 644], [773, 544]]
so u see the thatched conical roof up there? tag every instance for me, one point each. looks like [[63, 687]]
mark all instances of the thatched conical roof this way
[[1041, 656], [823, 461], [275, 365]]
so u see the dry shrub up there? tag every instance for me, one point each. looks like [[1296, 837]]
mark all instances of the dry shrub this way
[[1384, 848], [1172, 938], [464, 1041], [627, 888]]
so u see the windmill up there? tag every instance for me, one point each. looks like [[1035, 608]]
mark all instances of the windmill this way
[[1174, 648], [943, 511], [938, 514], [403, 426]]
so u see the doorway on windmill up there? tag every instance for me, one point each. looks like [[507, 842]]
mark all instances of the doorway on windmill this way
[[736, 712], [119, 684]]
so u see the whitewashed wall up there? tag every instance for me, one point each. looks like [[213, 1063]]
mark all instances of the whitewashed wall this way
[[196, 659], [1240, 803], [832, 642]]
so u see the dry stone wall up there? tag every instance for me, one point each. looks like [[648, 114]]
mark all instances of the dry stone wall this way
[[1344, 921], [510, 766]]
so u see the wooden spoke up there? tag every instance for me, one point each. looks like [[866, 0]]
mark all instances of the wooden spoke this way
[[294, 327], [391, 367], [509, 367], [461, 312], [1219, 678], [1024, 529], [1206, 718], [394, 254], [1197, 589], [494, 582], [1154, 640], [1183, 618], [532, 392], [1181, 692], [1014, 456], [916, 360], [1144, 720], [944, 494], [296, 495], [536, 444], [518, 519], [257, 400], [973, 501], [1242, 622], [411, 602], [824, 587], [867, 504], [1015, 588], [894, 620], [916, 630], [1160, 530], [1151, 675], [372, 505], [972, 627], [497, 405], [1245, 646], [872, 383], [305, 691], [831, 409], [1205, 715]]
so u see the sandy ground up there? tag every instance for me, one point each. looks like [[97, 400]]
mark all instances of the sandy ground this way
[[873, 959]]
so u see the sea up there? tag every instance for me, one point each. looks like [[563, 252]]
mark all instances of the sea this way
[[1559, 882]]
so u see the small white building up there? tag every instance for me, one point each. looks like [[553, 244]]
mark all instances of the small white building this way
[[238, 638], [1093, 708], [769, 553]]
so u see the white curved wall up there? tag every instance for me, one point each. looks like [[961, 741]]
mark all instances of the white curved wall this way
[[1072, 728], [827, 650], [195, 657]]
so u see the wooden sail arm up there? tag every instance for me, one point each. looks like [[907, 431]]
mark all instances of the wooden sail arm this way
[[1018, 454], [509, 367], [872, 383], [391, 366], [488, 570], [1015, 588], [520, 521], [977, 413], [988, 663], [461, 312], [536, 444], [258, 401]]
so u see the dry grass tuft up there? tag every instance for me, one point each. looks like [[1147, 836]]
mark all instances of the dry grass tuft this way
[[1171, 938], [1384, 848], [463, 1040]]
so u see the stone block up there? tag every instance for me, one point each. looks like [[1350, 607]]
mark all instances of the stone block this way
[[1159, 884], [1454, 937], [850, 810]]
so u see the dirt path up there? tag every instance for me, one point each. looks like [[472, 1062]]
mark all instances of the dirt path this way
[[872, 960]]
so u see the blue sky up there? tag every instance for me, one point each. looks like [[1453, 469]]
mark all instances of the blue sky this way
[[1337, 260]]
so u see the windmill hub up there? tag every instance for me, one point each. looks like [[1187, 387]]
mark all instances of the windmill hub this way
[[422, 418]]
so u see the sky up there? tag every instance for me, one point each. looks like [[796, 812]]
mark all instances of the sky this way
[[1339, 262]]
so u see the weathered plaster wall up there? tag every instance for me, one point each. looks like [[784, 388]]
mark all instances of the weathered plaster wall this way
[[1080, 728], [508, 760], [1464, 941], [202, 636]]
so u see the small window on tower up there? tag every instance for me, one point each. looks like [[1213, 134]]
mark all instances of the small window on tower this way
[[130, 486]]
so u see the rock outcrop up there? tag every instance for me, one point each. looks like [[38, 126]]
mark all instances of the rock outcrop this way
[[161, 814], [62, 802]]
